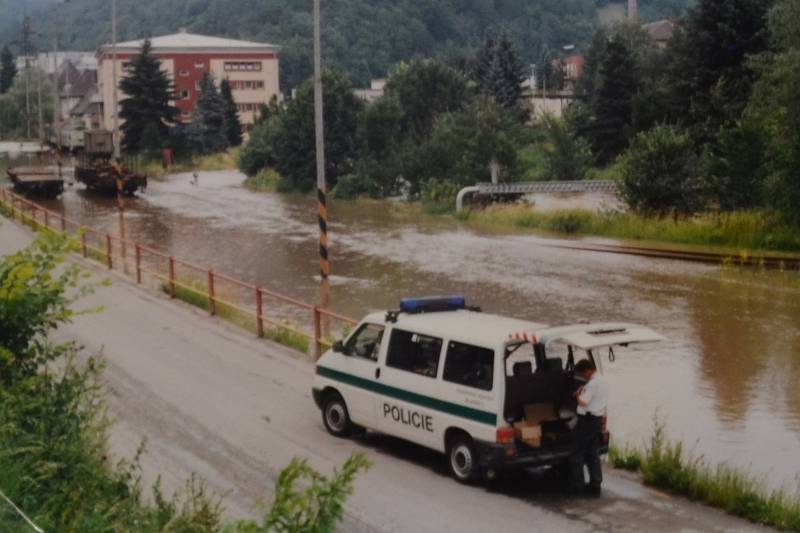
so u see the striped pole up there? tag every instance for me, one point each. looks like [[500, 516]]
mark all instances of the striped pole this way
[[322, 204]]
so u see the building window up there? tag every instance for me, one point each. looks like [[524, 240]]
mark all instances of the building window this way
[[183, 73], [186, 116], [184, 94], [242, 65], [199, 64]]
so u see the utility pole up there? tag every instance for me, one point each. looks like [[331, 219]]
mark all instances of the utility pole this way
[[56, 99], [322, 208], [26, 51], [39, 102], [115, 133]]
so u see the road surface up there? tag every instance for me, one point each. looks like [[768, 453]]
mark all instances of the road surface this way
[[210, 399]]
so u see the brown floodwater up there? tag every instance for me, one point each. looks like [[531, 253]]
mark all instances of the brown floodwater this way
[[726, 382]]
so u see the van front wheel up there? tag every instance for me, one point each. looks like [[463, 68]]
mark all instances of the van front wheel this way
[[335, 416], [462, 459]]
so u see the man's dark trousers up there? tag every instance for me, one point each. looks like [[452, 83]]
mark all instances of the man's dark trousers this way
[[587, 436]]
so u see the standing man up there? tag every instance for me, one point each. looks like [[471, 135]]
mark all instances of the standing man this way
[[592, 401]]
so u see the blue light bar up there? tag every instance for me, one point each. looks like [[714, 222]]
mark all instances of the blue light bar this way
[[432, 303]]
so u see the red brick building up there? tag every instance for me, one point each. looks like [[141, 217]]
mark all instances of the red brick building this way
[[251, 68]]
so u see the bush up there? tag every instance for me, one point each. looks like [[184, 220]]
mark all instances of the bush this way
[[659, 173], [566, 157]]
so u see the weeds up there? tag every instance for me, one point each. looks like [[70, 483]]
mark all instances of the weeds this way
[[753, 230], [53, 430], [220, 161], [666, 465], [265, 181]]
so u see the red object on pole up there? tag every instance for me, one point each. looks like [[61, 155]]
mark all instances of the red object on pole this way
[[259, 312], [138, 263], [317, 333], [212, 306], [172, 276], [108, 252]]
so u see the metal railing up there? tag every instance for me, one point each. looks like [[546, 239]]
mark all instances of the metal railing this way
[[18, 515], [263, 311]]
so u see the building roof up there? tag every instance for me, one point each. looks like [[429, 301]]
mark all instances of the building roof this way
[[186, 42], [660, 30]]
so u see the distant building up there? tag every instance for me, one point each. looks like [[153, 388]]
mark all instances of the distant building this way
[[572, 67], [251, 68], [374, 92], [660, 31], [47, 61]]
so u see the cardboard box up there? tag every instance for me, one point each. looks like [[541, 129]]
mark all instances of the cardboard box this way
[[530, 434], [536, 413]]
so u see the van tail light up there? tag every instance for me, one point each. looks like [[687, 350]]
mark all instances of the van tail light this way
[[505, 435]]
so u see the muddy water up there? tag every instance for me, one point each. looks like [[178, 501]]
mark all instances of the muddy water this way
[[726, 381]]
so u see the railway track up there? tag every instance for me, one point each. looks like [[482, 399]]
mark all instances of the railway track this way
[[767, 260]]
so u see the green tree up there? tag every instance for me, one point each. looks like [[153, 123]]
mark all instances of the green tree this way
[[209, 130], [659, 173], [611, 107], [709, 75], [13, 119], [233, 126], [774, 110], [148, 92], [286, 139], [566, 156], [8, 69], [498, 73], [425, 89], [463, 144]]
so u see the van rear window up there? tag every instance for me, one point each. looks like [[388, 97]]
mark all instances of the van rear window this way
[[414, 352], [469, 365]]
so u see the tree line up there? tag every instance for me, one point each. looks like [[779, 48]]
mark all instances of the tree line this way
[[363, 38], [706, 123]]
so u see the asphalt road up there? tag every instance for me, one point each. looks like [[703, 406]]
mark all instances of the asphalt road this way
[[209, 399]]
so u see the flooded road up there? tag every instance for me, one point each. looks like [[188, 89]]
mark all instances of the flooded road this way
[[726, 381]]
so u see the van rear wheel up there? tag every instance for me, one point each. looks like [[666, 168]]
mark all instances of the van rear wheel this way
[[335, 416], [462, 459]]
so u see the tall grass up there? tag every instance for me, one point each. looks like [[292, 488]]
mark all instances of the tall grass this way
[[752, 230], [665, 464], [220, 161], [265, 181]]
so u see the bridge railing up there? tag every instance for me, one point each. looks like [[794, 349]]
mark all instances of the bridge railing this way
[[264, 312]]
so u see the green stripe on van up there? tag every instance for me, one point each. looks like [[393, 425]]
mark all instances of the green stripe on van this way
[[484, 417]]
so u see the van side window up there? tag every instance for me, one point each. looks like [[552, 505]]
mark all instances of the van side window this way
[[366, 342], [414, 353], [468, 365]]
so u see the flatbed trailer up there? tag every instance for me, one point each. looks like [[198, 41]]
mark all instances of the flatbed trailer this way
[[37, 180]]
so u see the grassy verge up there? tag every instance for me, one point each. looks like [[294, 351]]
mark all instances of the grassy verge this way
[[664, 464], [222, 161], [198, 297], [751, 230], [265, 181]]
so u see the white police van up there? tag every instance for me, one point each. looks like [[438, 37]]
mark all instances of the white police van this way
[[456, 380]]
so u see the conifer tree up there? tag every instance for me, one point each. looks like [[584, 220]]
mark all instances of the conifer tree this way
[[8, 70], [209, 127], [498, 73], [233, 127], [611, 108], [146, 107]]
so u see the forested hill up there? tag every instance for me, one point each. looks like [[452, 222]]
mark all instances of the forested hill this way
[[361, 37]]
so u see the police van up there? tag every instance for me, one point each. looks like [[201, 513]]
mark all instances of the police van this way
[[449, 377]]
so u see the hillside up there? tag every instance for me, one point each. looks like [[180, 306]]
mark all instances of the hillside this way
[[362, 37]]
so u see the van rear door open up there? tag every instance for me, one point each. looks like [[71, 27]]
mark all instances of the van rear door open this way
[[600, 335]]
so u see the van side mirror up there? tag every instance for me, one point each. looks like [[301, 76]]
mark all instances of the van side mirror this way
[[338, 347]]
